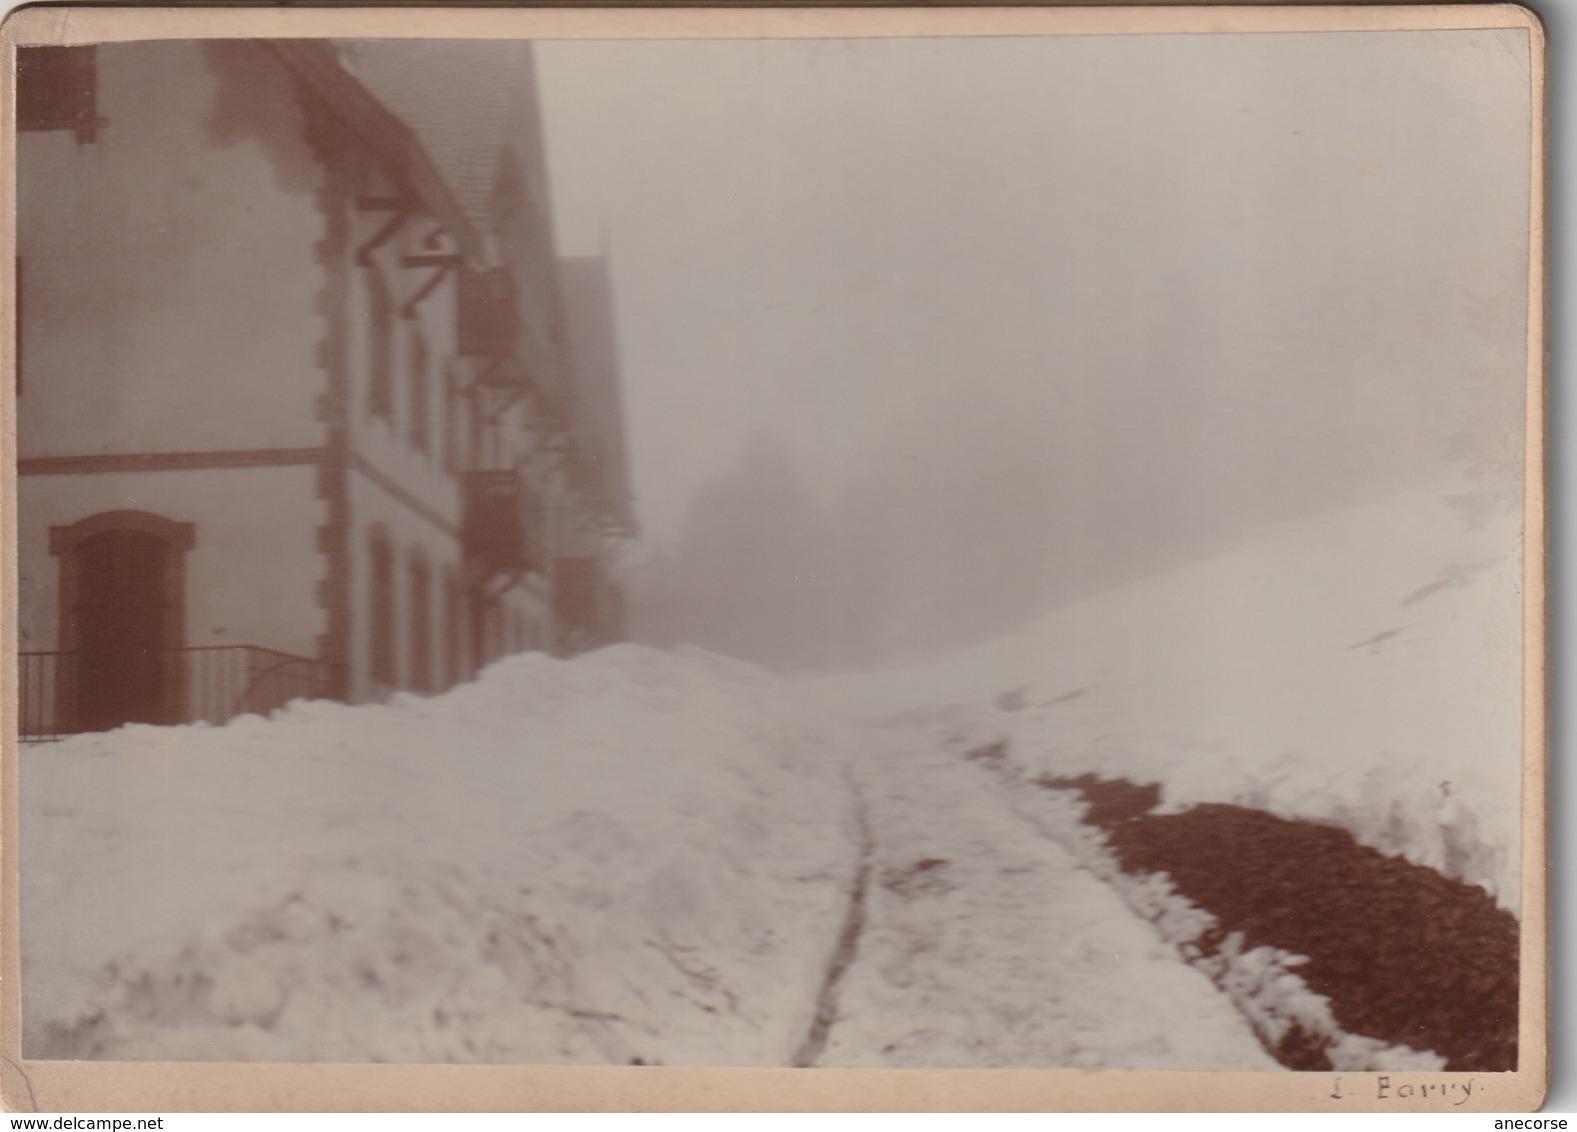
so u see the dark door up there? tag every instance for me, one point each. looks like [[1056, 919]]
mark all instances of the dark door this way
[[121, 651]]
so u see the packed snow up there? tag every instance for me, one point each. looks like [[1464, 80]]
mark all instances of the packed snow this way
[[633, 855], [668, 857], [1363, 669], [985, 942]]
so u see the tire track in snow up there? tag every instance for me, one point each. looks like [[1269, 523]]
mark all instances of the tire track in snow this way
[[983, 944], [843, 952]]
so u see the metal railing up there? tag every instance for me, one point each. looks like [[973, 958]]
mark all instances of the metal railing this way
[[48, 694], [224, 681], [206, 683]]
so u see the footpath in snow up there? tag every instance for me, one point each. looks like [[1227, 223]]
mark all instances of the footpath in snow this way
[[1300, 761], [985, 943]]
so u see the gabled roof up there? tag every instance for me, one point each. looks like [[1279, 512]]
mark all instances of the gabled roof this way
[[317, 64], [460, 99], [473, 106]]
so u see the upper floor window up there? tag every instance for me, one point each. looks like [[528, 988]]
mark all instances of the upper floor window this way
[[421, 408], [57, 89], [380, 345], [486, 319], [451, 421]]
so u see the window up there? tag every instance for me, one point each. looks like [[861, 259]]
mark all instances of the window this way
[[454, 630], [492, 528], [57, 89], [380, 346], [492, 635], [382, 621], [421, 408], [421, 625], [486, 319], [451, 423]]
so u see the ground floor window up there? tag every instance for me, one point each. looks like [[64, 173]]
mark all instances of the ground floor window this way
[[421, 624], [382, 660], [454, 630]]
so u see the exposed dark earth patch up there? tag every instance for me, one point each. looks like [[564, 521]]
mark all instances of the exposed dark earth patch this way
[[1404, 954]]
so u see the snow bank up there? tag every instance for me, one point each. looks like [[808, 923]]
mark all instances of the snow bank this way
[[1360, 668], [634, 855]]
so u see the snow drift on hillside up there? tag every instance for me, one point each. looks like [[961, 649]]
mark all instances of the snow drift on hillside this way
[[631, 856], [1360, 668]]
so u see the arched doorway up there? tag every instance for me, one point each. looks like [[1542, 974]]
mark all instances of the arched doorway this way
[[122, 616]]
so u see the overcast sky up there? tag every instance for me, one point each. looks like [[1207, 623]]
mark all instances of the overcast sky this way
[[1125, 293]]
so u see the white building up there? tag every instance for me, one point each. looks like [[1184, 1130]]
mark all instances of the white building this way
[[296, 414]]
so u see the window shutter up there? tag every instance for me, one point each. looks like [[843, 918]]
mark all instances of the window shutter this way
[[486, 316], [57, 89], [380, 345], [492, 529]]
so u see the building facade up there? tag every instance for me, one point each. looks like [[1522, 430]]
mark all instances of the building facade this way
[[295, 406]]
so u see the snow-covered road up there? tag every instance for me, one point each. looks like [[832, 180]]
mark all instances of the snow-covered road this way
[[984, 943]]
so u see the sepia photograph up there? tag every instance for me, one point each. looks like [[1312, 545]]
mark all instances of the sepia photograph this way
[[596, 543]]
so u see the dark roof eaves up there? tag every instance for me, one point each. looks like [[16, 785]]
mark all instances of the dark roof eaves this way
[[316, 64]]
